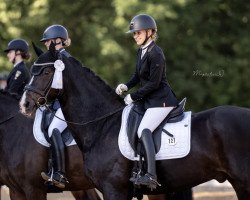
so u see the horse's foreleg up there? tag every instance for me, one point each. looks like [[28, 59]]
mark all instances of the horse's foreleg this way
[[32, 193], [16, 195], [86, 195], [112, 193], [157, 197], [242, 194], [242, 191]]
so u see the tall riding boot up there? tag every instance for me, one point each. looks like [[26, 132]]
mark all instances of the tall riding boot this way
[[58, 158], [150, 178]]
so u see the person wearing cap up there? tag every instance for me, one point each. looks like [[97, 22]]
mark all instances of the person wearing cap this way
[[17, 52], [155, 93], [57, 34]]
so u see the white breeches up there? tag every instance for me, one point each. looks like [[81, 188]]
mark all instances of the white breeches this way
[[57, 123], [152, 118]]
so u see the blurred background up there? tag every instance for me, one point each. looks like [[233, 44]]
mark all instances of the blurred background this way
[[206, 43]]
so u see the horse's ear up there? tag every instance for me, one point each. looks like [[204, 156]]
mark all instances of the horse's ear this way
[[52, 49], [37, 49]]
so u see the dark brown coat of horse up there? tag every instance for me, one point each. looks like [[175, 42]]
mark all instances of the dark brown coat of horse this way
[[23, 159]]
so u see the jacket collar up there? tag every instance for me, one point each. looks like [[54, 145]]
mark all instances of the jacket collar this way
[[18, 63], [149, 48]]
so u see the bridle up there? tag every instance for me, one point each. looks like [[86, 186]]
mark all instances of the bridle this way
[[9, 118], [43, 93]]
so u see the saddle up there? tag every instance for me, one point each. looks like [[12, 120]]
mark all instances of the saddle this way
[[135, 117], [47, 118]]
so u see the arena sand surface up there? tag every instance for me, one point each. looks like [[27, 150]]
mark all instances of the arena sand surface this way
[[208, 191]]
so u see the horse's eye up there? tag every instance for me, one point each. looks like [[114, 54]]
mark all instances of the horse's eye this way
[[47, 71]]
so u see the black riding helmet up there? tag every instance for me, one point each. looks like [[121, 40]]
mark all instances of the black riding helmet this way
[[55, 31], [142, 22], [17, 44]]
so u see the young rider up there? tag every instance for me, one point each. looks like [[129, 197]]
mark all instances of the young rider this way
[[57, 34], [155, 92]]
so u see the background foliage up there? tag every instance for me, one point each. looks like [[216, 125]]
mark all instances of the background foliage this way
[[206, 43]]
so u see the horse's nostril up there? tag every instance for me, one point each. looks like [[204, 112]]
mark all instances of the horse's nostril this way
[[26, 105]]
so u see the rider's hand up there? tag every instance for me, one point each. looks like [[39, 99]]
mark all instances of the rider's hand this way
[[128, 100], [121, 88]]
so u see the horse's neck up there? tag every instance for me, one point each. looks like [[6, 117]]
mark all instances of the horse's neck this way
[[90, 98], [8, 105], [90, 107]]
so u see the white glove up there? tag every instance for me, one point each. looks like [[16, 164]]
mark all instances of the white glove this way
[[121, 88], [128, 100]]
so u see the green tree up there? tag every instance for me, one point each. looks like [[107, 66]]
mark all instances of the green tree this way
[[206, 42]]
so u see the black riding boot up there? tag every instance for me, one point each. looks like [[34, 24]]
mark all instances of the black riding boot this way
[[58, 159], [149, 179]]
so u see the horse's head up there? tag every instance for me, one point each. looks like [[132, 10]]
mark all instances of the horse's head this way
[[39, 91]]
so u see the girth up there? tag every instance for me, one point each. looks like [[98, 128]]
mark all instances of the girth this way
[[136, 115]]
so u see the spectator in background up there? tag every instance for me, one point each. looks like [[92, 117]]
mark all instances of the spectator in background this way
[[17, 52]]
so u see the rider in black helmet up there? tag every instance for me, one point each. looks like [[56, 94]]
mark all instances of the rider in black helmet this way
[[155, 93], [57, 34], [17, 52]]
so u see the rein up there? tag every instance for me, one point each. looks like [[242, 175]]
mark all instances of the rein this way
[[44, 94], [11, 117], [88, 122]]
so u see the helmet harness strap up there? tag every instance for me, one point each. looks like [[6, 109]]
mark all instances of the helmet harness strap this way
[[147, 37], [16, 54]]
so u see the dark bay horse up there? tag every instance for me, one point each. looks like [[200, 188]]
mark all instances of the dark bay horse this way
[[219, 143], [22, 158]]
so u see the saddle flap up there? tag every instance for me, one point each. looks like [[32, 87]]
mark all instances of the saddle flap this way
[[47, 117], [136, 115], [134, 120], [176, 139], [40, 129]]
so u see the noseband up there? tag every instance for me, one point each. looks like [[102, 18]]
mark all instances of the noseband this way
[[43, 93]]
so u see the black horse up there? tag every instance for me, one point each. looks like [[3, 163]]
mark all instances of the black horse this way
[[23, 159], [219, 142]]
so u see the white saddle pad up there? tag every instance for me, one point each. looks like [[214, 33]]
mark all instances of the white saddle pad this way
[[38, 134], [171, 147]]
